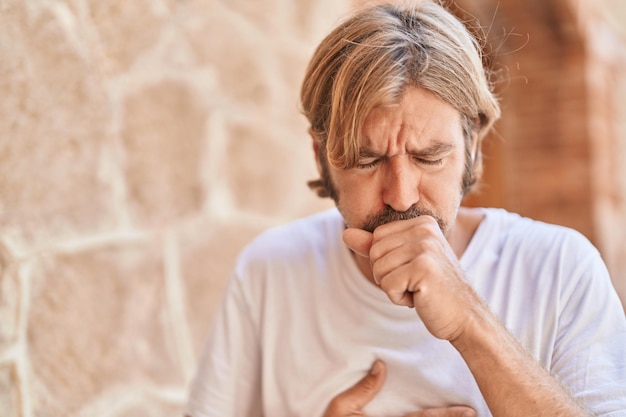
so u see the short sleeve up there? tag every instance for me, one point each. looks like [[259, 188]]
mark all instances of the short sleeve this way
[[590, 352], [228, 379]]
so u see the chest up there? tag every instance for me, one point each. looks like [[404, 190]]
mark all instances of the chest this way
[[322, 348]]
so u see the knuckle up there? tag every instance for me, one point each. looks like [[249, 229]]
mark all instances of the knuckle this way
[[382, 267], [387, 284], [424, 262], [378, 272], [375, 253], [395, 296], [428, 244], [378, 233]]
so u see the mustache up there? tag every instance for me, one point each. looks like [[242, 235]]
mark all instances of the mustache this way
[[389, 215]]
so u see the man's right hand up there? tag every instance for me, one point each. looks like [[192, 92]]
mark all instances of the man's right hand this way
[[351, 402]]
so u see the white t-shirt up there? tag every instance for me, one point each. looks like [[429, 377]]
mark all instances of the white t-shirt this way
[[300, 324]]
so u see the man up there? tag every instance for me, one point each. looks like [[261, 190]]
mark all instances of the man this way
[[506, 316]]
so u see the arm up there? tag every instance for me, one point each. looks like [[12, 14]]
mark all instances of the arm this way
[[227, 382], [512, 382], [414, 264]]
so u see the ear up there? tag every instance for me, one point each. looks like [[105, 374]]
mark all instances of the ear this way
[[316, 150]]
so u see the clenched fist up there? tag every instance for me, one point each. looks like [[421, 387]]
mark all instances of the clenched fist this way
[[412, 261]]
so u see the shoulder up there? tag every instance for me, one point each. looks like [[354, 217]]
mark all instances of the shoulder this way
[[533, 236], [539, 249], [518, 261], [287, 259], [297, 239]]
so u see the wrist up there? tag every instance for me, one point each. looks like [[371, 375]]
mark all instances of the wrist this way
[[481, 333]]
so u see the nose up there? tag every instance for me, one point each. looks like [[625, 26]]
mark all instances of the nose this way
[[401, 181]]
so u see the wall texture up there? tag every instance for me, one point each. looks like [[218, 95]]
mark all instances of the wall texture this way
[[143, 142]]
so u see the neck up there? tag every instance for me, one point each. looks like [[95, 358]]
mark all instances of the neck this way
[[465, 225]]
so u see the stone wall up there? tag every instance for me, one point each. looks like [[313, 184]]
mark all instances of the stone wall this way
[[142, 144]]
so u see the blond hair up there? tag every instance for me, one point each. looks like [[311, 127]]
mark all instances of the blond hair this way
[[371, 58]]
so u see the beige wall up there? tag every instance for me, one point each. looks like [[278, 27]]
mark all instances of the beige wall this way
[[142, 143]]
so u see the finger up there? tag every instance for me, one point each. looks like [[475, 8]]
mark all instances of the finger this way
[[398, 286], [386, 257], [382, 246], [359, 395], [412, 239], [456, 411], [359, 241]]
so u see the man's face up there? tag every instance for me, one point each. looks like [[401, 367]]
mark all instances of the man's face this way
[[412, 162]]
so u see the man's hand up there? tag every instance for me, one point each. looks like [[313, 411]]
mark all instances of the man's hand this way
[[413, 263], [351, 402]]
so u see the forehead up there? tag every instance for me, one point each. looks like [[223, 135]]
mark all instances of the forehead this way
[[420, 118]]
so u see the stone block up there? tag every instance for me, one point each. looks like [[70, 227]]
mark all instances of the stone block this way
[[262, 170], [122, 38], [97, 320], [163, 139], [9, 405], [259, 49], [54, 125], [247, 76], [135, 401]]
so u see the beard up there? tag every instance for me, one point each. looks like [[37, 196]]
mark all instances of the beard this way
[[388, 215]]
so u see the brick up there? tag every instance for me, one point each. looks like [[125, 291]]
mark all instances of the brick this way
[[261, 170], [122, 39], [54, 125], [136, 401], [9, 406], [245, 76], [163, 138], [98, 320]]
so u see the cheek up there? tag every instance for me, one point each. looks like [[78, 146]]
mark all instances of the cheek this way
[[443, 191], [357, 192], [454, 176], [358, 195]]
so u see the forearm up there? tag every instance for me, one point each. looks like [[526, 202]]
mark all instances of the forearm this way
[[511, 381]]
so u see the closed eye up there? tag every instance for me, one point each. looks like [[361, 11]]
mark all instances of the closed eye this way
[[433, 155], [368, 163], [426, 161]]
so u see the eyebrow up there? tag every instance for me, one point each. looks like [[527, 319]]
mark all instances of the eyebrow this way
[[436, 148]]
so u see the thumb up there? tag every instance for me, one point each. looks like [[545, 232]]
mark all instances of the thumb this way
[[360, 241], [351, 401]]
